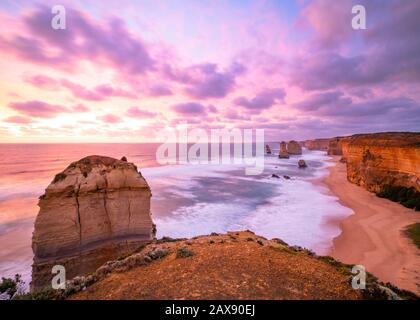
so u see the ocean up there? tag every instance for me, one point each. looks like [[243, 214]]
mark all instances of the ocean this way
[[188, 200]]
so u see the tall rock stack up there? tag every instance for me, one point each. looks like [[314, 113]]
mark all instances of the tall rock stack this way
[[293, 147], [94, 211], [283, 151], [267, 149]]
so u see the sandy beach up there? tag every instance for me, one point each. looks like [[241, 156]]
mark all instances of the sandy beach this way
[[373, 236]]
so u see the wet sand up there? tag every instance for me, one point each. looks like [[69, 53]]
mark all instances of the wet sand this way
[[374, 235]]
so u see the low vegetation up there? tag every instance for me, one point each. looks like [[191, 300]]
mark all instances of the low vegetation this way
[[413, 231], [184, 252], [408, 197], [9, 287]]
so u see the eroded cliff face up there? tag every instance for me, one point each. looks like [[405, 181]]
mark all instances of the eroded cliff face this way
[[317, 144], [93, 211], [335, 146], [380, 159]]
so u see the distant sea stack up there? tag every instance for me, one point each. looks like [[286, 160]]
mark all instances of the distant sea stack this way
[[317, 144], [94, 211], [294, 148], [283, 154], [383, 159]]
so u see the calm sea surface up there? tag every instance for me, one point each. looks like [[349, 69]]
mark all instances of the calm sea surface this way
[[187, 200]]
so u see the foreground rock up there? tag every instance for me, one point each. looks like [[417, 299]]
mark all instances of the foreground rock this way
[[302, 163], [294, 148], [283, 154], [236, 265], [92, 212]]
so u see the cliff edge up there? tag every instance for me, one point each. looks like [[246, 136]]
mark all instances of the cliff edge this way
[[236, 265], [377, 160]]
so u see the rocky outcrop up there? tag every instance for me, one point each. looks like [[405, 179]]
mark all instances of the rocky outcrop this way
[[267, 149], [92, 212], [283, 154], [383, 159], [317, 144], [302, 163], [241, 265], [294, 148]]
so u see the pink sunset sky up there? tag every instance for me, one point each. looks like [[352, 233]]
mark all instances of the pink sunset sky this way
[[122, 70]]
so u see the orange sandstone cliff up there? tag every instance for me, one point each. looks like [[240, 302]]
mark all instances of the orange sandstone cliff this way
[[377, 160], [335, 146], [93, 211], [380, 159]]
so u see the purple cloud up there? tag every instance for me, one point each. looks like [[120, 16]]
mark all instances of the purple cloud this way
[[388, 51], [263, 100], [189, 108], [235, 115], [159, 91], [38, 109], [330, 21], [110, 118], [386, 110], [135, 112], [110, 43], [98, 93], [109, 91], [326, 100], [205, 80], [211, 108], [18, 119], [80, 108], [81, 92], [44, 82]]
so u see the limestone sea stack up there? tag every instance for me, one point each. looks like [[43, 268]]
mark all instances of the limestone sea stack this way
[[293, 147], [95, 210], [267, 149], [283, 151]]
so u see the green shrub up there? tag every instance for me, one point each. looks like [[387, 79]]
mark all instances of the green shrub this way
[[59, 177], [10, 286], [413, 231], [184, 252], [45, 294], [408, 197]]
